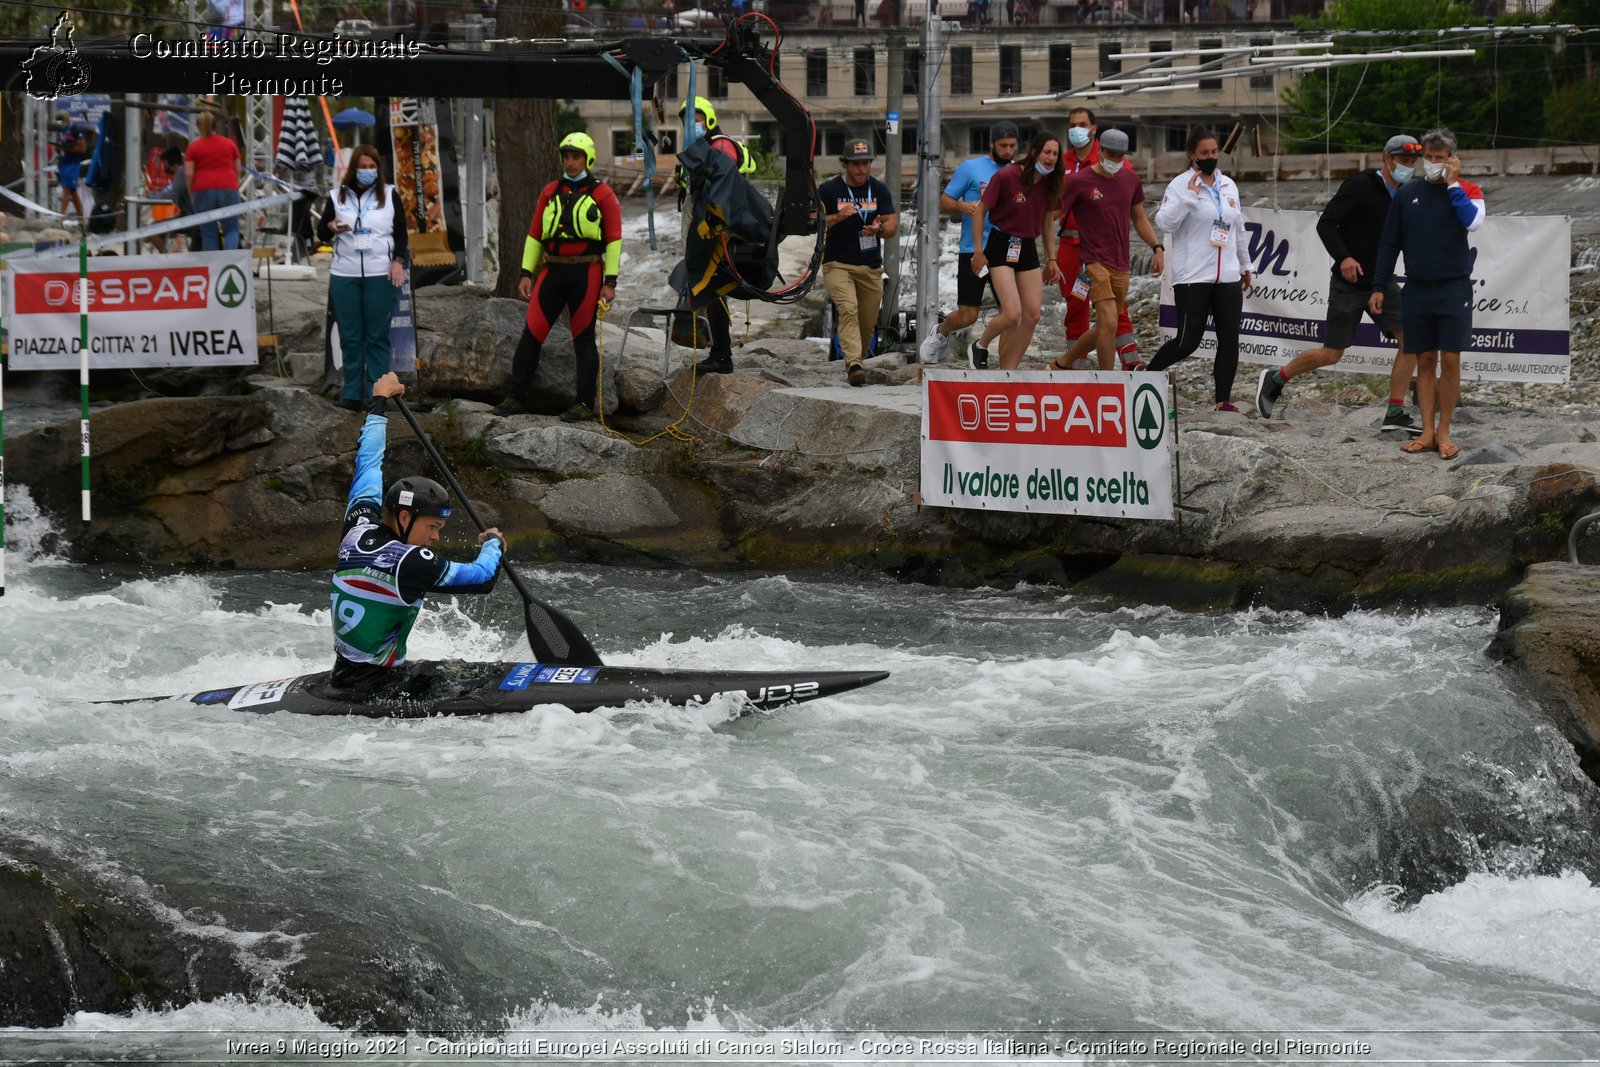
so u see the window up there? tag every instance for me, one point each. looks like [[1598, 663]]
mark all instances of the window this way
[[622, 143], [1110, 68], [977, 139], [1010, 69], [716, 82], [1060, 68], [960, 72], [1210, 42], [911, 75], [834, 140], [817, 73], [908, 139], [1260, 81], [1177, 138], [866, 72]]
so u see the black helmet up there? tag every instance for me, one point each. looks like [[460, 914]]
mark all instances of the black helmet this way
[[420, 496]]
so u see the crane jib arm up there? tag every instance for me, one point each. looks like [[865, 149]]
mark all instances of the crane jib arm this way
[[547, 75]]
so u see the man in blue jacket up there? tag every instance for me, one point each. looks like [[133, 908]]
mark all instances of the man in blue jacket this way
[[1429, 222], [387, 563]]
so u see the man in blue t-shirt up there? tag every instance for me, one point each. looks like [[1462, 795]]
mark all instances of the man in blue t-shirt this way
[[72, 147], [860, 216], [960, 197]]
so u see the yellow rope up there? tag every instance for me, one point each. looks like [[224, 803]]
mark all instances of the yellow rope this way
[[602, 309]]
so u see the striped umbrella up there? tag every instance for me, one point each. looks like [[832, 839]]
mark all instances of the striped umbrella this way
[[299, 148]]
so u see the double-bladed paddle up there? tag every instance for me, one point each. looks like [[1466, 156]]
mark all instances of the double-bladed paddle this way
[[554, 638]]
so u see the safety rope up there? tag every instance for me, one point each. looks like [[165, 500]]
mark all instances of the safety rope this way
[[602, 309]]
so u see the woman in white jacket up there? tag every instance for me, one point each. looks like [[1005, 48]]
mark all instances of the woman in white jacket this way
[[1210, 265]]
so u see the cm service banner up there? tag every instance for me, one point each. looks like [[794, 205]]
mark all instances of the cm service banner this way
[[1077, 443], [1521, 326], [191, 310]]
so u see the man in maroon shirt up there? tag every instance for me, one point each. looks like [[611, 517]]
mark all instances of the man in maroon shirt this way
[[1104, 199], [1084, 153]]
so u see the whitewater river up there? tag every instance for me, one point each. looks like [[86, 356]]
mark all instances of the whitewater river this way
[[1060, 820]]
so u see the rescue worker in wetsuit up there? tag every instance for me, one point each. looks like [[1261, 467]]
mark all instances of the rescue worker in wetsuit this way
[[387, 563], [720, 358], [569, 260]]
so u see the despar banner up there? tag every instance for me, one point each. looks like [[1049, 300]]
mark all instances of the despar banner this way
[[1081, 443], [1521, 325], [192, 310]]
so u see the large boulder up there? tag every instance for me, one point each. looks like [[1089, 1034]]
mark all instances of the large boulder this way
[[1550, 632]]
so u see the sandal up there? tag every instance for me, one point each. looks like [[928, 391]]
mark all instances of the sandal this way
[[1055, 364], [1414, 447], [1449, 450]]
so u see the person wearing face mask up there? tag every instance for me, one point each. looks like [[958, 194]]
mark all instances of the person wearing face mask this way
[[960, 197], [1210, 267], [1105, 199], [1350, 228], [1428, 224], [1084, 153], [569, 262], [365, 223], [1021, 202]]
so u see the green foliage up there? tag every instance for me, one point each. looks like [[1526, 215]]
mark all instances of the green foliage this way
[[1497, 98], [1572, 113], [568, 120], [769, 164]]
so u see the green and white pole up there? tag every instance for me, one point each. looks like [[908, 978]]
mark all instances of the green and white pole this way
[[3, 275], [83, 360]]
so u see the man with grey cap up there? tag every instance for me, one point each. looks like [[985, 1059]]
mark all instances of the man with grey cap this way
[[960, 197], [860, 215], [1104, 199], [1351, 227]]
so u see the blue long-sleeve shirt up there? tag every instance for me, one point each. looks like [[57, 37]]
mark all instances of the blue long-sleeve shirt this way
[[1429, 222], [421, 572]]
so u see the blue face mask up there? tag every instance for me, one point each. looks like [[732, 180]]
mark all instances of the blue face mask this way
[[699, 129], [1041, 168], [365, 176], [1077, 136], [1403, 173], [575, 178]]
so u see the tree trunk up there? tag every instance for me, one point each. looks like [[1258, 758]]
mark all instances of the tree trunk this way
[[524, 141], [11, 138]]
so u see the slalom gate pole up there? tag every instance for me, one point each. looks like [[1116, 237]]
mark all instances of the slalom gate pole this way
[[3, 320], [83, 359]]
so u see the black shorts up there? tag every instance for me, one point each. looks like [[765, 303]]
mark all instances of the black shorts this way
[[996, 247], [1438, 318], [1347, 303], [970, 287]]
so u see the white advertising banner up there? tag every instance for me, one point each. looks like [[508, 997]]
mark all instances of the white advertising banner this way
[[1521, 324], [1078, 443], [192, 310]]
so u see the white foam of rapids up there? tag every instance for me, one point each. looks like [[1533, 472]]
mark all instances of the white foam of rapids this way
[[1542, 926]]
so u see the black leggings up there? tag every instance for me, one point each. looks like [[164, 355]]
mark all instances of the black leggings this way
[[1223, 304]]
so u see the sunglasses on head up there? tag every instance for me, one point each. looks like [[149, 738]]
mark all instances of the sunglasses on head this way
[[1409, 149]]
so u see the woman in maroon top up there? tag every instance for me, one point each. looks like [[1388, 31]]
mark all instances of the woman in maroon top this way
[[211, 174], [1020, 202]]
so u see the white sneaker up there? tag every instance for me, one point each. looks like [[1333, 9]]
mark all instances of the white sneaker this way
[[936, 349]]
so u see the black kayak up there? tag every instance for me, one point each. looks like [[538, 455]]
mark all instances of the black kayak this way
[[451, 687]]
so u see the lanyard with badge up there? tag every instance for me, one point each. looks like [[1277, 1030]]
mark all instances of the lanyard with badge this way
[[1221, 229], [864, 207], [361, 235]]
